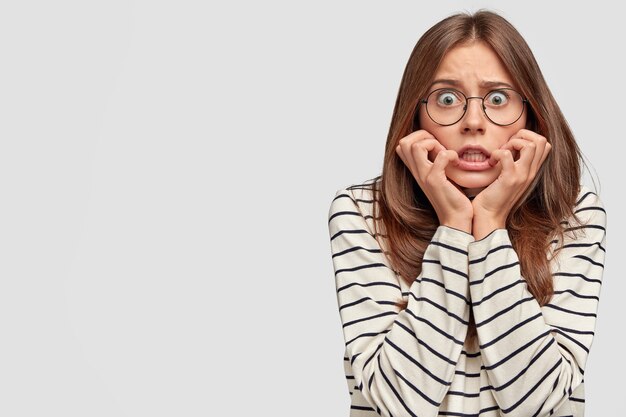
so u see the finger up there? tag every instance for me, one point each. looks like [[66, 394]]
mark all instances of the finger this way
[[417, 136], [420, 151], [505, 158], [540, 143], [404, 151], [546, 151], [438, 147], [400, 153], [529, 135], [528, 159], [443, 160], [544, 155], [515, 145], [432, 146]]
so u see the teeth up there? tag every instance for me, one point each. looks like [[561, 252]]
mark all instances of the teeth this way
[[474, 156]]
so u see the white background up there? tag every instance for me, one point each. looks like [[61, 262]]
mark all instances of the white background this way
[[166, 172]]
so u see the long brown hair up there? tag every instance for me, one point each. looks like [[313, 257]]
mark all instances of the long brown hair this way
[[405, 217]]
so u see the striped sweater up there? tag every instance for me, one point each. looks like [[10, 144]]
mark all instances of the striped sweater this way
[[530, 360]]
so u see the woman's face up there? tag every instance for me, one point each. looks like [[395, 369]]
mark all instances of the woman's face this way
[[474, 69]]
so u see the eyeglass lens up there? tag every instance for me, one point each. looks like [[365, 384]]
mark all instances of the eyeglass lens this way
[[447, 106]]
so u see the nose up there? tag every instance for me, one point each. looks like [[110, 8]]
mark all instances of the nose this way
[[474, 120]]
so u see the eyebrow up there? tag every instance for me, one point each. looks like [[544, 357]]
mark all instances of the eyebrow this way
[[485, 84]]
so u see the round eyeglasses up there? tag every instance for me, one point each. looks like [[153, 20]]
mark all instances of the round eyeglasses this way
[[446, 106]]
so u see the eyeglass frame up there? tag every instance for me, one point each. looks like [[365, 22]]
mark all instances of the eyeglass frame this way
[[482, 99]]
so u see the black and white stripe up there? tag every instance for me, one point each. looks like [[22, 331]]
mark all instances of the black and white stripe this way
[[414, 363]]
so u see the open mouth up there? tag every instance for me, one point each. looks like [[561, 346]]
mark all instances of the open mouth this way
[[474, 159], [474, 156]]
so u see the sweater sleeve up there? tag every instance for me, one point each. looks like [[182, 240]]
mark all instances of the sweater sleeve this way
[[403, 361], [535, 355]]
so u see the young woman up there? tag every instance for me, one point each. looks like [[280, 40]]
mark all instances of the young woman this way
[[468, 274]]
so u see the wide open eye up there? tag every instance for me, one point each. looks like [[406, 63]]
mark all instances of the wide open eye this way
[[497, 98], [448, 98]]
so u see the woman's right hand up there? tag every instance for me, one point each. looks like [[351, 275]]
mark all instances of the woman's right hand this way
[[452, 206]]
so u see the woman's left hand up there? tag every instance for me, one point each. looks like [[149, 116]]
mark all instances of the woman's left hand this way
[[493, 205]]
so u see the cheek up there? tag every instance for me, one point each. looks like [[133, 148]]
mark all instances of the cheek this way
[[505, 133], [443, 134], [522, 123], [425, 122]]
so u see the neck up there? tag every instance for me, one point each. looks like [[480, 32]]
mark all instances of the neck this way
[[472, 192]]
